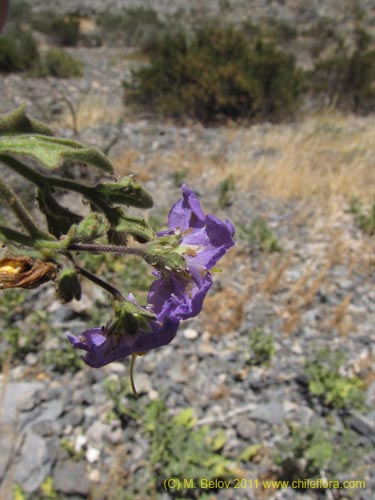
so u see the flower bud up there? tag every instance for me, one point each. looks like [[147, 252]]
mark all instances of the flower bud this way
[[68, 286], [93, 226]]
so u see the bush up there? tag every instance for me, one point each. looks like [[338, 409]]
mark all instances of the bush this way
[[59, 64], [64, 31], [347, 81], [18, 51], [216, 74]]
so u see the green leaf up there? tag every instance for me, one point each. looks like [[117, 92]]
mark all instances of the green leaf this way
[[52, 152], [136, 226], [126, 191], [250, 452], [185, 418], [17, 122]]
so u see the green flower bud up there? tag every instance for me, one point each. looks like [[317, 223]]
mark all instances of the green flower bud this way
[[68, 286], [94, 226], [129, 319]]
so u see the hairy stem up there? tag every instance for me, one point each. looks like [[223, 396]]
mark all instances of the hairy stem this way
[[98, 281]]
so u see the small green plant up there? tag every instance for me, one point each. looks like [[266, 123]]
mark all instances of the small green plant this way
[[124, 405], [227, 187], [365, 221], [216, 75], [326, 381], [179, 176], [178, 449], [259, 236], [67, 445], [59, 64], [309, 450], [262, 347], [62, 359]]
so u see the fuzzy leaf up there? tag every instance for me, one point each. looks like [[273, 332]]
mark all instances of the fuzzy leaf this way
[[52, 152], [17, 122]]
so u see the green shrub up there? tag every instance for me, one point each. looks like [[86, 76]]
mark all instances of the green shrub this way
[[326, 381], [64, 31], [18, 51], [214, 75], [347, 81], [60, 64]]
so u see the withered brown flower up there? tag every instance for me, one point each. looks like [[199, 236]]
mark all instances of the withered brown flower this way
[[25, 272]]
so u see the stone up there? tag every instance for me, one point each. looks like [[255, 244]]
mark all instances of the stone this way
[[246, 429], [70, 477], [32, 464]]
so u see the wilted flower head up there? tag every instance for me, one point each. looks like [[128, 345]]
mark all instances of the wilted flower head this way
[[25, 272]]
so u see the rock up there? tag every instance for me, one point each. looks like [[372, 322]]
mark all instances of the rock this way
[[92, 454], [32, 464], [190, 334], [273, 413], [246, 429], [70, 477]]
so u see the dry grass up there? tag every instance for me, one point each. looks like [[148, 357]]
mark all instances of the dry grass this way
[[326, 157]]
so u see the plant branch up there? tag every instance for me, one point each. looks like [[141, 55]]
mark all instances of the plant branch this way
[[20, 211], [98, 281]]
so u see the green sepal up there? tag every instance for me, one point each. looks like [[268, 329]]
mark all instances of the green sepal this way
[[68, 286], [126, 191], [52, 152], [17, 122], [59, 219], [92, 227], [129, 319], [163, 256], [136, 226]]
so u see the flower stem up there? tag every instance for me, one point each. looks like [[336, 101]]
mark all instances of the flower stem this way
[[135, 394], [20, 211], [116, 249], [98, 281]]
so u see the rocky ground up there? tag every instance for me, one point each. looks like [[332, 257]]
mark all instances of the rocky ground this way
[[243, 364]]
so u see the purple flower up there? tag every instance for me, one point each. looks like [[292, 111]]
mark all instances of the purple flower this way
[[102, 350], [3, 13], [204, 239]]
